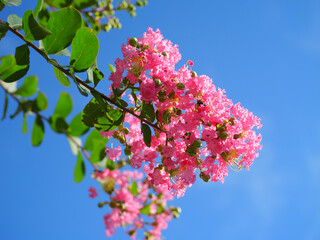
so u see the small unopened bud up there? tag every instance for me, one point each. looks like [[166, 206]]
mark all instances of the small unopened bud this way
[[204, 177], [133, 42], [126, 130], [162, 93], [165, 54], [101, 204], [223, 135], [193, 74], [108, 185], [171, 95], [180, 86], [236, 136], [157, 81], [127, 150], [178, 111], [197, 143]]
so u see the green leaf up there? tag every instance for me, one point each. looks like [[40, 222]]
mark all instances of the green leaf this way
[[85, 47], [146, 209], [136, 100], [81, 4], [58, 124], [82, 89], [12, 2], [32, 29], [14, 21], [160, 209], [59, 3], [64, 105], [105, 123], [146, 131], [38, 8], [41, 102], [91, 112], [94, 76], [98, 151], [2, 5], [112, 68], [24, 125], [63, 24], [37, 132], [29, 87], [110, 164], [14, 68], [94, 135], [61, 77], [101, 101], [79, 170], [147, 111], [3, 29], [6, 101], [76, 127], [134, 188]]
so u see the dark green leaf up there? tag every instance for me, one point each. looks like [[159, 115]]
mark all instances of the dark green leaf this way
[[61, 77], [98, 151], [95, 25], [64, 105], [82, 89], [160, 209], [110, 164], [147, 111], [76, 127], [14, 68], [29, 87], [146, 131], [59, 3], [63, 24], [145, 210], [79, 170], [38, 8], [41, 102], [12, 2], [37, 132], [121, 102], [112, 68], [81, 4], [6, 101], [85, 47], [105, 124], [94, 135], [3, 29], [92, 111], [24, 125], [134, 188], [136, 100], [58, 124], [2, 5], [18, 110], [94, 76], [14, 21], [101, 101], [32, 29]]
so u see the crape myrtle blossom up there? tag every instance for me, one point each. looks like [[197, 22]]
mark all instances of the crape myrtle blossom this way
[[134, 204], [203, 132]]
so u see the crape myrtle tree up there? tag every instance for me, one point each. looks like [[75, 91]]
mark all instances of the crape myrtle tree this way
[[171, 124]]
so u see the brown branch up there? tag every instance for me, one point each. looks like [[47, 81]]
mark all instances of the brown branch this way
[[66, 72]]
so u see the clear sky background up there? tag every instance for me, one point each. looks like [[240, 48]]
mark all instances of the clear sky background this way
[[265, 54]]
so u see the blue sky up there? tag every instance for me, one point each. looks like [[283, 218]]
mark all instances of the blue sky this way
[[265, 54]]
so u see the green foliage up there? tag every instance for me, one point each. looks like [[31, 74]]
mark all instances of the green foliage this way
[[146, 131], [41, 102], [38, 8], [63, 24], [110, 164], [13, 68], [64, 105], [134, 188], [98, 151], [24, 124], [61, 77], [92, 111], [59, 3], [2, 4], [29, 87], [93, 136], [94, 75], [110, 121], [3, 29], [14, 21], [76, 127], [37, 132], [6, 102], [32, 29], [146, 209], [79, 170], [81, 4], [85, 46], [58, 123], [147, 111]]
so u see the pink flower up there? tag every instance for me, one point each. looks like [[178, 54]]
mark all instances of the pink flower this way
[[113, 153], [190, 63], [93, 192]]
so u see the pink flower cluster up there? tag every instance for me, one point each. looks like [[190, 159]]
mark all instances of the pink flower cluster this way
[[133, 204], [204, 132]]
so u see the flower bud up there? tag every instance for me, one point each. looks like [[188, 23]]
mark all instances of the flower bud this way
[[204, 177], [133, 42], [180, 86], [197, 143], [162, 93], [108, 185], [127, 150], [171, 95], [223, 135], [165, 54], [126, 130], [236, 136], [157, 81], [193, 74]]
